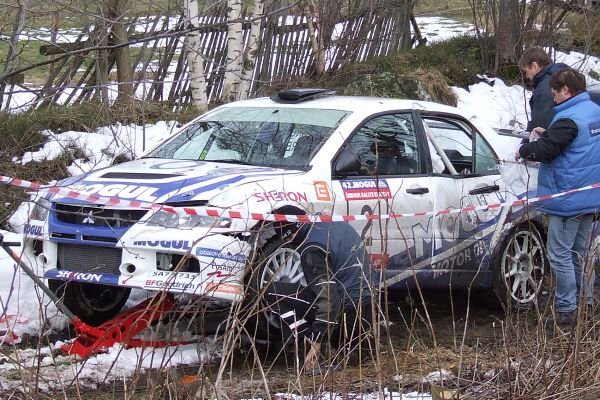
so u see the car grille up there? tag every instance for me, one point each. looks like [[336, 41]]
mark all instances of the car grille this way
[[97, 215], [97, 260]]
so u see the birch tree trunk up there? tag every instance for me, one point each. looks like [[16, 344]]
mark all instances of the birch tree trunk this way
[[194, 57], [12, 50], [318, 51], [254, 39], [235, 38], [116, 13]]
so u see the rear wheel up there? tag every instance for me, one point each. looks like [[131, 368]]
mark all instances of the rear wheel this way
[[93, 304], [521, 268]]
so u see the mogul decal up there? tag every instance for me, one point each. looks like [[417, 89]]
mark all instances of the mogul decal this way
[[165, 244], [365, 189], [274, 195], [213, 253], [33, 230], [141, 193]]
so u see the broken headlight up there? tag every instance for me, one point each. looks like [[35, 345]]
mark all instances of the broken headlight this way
[[176, 220]]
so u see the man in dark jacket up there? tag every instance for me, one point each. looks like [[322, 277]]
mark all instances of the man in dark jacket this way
[[537, 66], [569, 152], [335, 304]]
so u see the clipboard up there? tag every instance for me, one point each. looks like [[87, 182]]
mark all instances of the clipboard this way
[[521, 134]]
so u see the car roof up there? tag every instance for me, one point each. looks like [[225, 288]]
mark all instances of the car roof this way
[[358, 104], [364, 106]]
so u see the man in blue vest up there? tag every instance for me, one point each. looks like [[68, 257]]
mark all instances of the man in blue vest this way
[[335, 306], [569, 153]]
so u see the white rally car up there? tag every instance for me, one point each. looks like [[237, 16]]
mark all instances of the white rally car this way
[[310, 152]]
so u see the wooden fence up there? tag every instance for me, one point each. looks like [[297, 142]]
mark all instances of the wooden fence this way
[[160, 65]]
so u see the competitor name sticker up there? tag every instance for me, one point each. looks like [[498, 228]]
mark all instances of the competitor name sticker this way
[[365, 189]]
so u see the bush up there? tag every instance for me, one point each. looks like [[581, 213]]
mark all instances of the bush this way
[[455, 62], [22, 132], [585, 30]]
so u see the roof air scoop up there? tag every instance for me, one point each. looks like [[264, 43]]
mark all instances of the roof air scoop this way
[[300, 94]]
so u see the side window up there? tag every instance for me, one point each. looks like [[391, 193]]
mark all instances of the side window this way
[[486, 160], [387, 145], [456, 139]]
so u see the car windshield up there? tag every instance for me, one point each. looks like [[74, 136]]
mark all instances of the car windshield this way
[[266, 136]]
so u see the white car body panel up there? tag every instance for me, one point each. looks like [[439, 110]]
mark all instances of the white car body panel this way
[[434, 243]]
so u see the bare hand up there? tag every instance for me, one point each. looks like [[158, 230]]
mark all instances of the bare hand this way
[[536, 133], [312, 358], [517, 155], [539, 130]]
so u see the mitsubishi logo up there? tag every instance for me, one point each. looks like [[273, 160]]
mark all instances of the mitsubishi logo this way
[[89, 219]]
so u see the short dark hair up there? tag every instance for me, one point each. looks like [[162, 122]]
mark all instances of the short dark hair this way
[[534, 54], [568, 77]]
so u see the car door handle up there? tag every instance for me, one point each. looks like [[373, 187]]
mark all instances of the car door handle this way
[[419, 190], [485, 189]]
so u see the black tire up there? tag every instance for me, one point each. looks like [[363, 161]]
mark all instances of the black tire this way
[[260, 323], [520, 268], [93, 304]]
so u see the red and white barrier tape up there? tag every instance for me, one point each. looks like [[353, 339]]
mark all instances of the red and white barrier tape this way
[[216, 212]]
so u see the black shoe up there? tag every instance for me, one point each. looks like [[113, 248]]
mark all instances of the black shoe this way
[[563, 319]]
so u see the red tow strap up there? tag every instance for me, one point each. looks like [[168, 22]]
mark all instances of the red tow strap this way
[[122, 329]]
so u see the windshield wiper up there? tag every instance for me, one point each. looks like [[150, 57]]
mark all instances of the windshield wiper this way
[[230, 161]]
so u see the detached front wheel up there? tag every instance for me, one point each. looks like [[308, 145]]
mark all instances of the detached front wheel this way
[[93, 304], [521, 268]]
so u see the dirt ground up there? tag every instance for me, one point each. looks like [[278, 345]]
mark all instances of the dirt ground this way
[[482, 353]]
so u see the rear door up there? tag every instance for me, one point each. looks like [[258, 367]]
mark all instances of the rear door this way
[[470, 178]]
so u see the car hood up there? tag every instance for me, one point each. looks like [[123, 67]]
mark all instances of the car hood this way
[[169, 181]]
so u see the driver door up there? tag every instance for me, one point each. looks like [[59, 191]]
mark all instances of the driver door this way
[[392, 178]]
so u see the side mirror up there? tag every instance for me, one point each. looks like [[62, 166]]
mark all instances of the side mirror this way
[[346, 163]]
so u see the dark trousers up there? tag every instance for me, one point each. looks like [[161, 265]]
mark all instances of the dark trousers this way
[[293, 305]]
